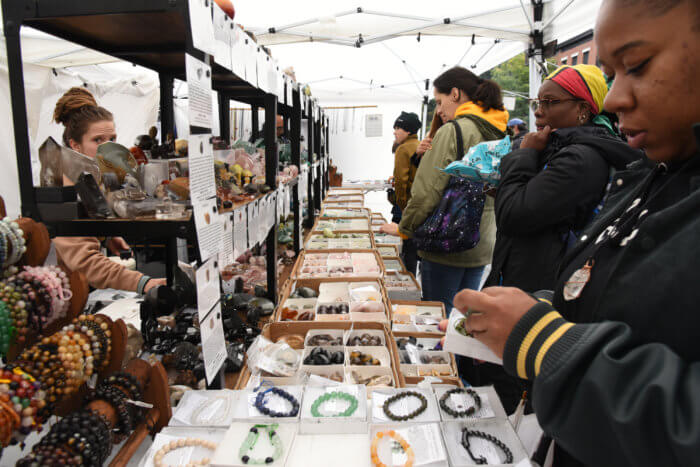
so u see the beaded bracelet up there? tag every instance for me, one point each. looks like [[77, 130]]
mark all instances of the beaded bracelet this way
[[260, 403], [14, 237], [352, 407], [252, 438], [181, 443], [402, 395], [461, 413], [481, 460], [7, 329], [117, 400], [126, 381], [410, 455]]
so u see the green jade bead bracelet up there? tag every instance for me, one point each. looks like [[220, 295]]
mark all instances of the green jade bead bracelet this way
[[252, 439], [352, 400]]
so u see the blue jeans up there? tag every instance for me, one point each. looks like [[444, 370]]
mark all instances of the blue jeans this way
[[441, 282]]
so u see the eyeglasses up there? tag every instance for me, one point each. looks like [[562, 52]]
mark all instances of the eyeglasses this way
[[547, 103]]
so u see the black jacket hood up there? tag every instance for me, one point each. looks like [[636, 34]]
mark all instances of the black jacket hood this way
[[616, 152]]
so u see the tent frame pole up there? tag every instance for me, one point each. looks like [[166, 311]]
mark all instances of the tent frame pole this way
[[12, 18], [536, 56]]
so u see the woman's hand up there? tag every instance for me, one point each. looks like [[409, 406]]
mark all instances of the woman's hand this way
[[154, 283], [424, 146], [536, 140], [116, 245], [390, 229], [494, 312]]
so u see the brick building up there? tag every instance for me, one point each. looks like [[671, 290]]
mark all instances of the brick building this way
[[580, 49]]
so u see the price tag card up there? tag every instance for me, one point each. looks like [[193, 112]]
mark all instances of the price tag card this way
[[227, 256], [272, 208], [201, 25], [262, 69], [280, 202], [251, 61], [426, 442], [240, 231], [213, 342], [287, 201], [208, 288], [238, 49], [290, 92], [209, 228], [199, 99], [222, 36], [263, 215], [273, 79], [201, 162], [253, 224]]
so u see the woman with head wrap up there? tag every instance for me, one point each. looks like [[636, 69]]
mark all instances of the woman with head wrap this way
[[550, 189]]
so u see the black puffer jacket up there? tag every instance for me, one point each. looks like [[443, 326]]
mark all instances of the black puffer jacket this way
[[543, 196]]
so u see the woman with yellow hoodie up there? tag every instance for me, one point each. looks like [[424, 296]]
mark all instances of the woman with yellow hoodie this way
[[476, 105]]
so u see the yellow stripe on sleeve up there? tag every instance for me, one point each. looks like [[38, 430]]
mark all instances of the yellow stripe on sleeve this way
[[529, 339], [548, 343]]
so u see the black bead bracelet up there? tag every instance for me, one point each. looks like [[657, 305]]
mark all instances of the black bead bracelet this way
[[461, 413], [261, 406], [402, 395], [481, 460]]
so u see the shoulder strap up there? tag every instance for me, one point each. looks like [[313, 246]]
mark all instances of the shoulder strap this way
[[460, 140]]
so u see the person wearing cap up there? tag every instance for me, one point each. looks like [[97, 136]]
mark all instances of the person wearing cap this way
[[406, 129], [519, 129]]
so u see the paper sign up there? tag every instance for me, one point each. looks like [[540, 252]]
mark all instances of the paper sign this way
[[426, 442], [199, 101], [238, 49], [253, 223], [201, 162], [468, 346], [240, 231], [213, 342], [226, 256], [290, 92], [251, 60], [373, 125], [261, 69], [222, 36], [209, 228], [208, 289], [201, 25]]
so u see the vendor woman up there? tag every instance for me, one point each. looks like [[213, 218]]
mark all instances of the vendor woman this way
[[88, 125]]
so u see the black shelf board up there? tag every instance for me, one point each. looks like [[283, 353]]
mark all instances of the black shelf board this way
[[150, 33], [127, 228]]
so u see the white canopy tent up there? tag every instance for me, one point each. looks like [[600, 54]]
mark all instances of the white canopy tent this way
[[386, 53], [402, 43]]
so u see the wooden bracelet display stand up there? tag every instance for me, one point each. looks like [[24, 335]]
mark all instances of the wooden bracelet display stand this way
[[157, 393]]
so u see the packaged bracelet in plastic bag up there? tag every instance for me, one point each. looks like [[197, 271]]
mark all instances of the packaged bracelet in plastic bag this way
[[277, 359]]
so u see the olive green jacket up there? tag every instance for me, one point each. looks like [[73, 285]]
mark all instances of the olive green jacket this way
[[404, 171], [430, 183]]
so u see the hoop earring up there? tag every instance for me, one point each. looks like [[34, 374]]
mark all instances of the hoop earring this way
[[582, 119]]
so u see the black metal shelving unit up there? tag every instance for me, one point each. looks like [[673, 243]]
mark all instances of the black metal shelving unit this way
[[154, 34]]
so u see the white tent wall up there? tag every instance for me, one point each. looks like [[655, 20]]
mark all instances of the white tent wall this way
[[131, 96], [356, 155]]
